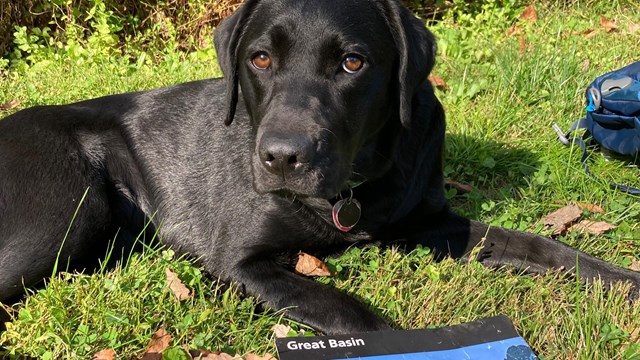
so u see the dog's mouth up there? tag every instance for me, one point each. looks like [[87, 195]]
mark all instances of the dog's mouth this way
[[294, 193], [300, 188]]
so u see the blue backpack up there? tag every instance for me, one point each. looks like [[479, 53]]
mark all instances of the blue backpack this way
[[613, 118]]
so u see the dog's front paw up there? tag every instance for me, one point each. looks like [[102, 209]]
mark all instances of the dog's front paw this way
[[367, 323]]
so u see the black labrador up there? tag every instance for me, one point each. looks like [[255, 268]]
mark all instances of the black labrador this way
[[333, 137]]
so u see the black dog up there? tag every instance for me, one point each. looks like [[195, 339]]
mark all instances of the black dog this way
[[333, 96]]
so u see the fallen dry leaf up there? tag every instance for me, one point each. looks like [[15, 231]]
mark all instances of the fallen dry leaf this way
[[513, 30], [529, 14], [9, 105], [585, 64], [218, 356], [560, 219], [523, 44], [462, 188], [178, 289], [158, 344], [593, 227], [281, 330], [438, 82], [608, 25], [635, 264], [590, 207], [311, 266], [587, 34], [266, 356], [106, 354], [198, 354]]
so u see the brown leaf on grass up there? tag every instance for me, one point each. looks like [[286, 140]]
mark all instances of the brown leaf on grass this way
[[593, 227], [590, 207], [212, 355], [266, 356], [587, 34], [311, 266], [608, 25], [158, 344], [523, 44], [9, 105], [560, 219], [178, 289], [529, 14], [635, 264], [462, 188], [281, 330], [106, 354], [218, 356], [513, 30], [438, 82], [585, 64]]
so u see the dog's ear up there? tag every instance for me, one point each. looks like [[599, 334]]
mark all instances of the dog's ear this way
[[226, 39], [416, 48]]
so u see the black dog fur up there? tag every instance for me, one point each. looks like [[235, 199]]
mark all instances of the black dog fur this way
[[245, 198]]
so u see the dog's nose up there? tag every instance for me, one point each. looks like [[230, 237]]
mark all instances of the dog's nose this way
[[285, 156]]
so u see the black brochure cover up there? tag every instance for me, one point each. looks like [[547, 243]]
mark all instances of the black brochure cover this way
[[487, 339]]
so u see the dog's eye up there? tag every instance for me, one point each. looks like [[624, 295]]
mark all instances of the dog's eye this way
[[261, 61], [352, 64]]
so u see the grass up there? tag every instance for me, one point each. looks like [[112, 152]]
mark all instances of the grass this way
[[120, 309], [503, 94]]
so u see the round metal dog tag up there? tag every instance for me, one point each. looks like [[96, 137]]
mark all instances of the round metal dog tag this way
[[346, 214]]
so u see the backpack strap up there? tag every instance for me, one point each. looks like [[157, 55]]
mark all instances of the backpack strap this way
[[564, 138]]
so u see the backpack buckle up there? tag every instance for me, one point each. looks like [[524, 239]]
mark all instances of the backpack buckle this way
[[593, 95]]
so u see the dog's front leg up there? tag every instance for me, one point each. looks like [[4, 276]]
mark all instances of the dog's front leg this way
[[305, 300], [453, 235]]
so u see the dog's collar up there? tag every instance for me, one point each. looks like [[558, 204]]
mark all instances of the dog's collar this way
[[346, 211]]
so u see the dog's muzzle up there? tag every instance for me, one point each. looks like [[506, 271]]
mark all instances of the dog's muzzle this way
[[286, 157]]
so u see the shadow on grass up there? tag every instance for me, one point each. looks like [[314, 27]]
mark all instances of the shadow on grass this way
[[496, 171]]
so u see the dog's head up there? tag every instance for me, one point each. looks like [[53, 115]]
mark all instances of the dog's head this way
[[322, 81]]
